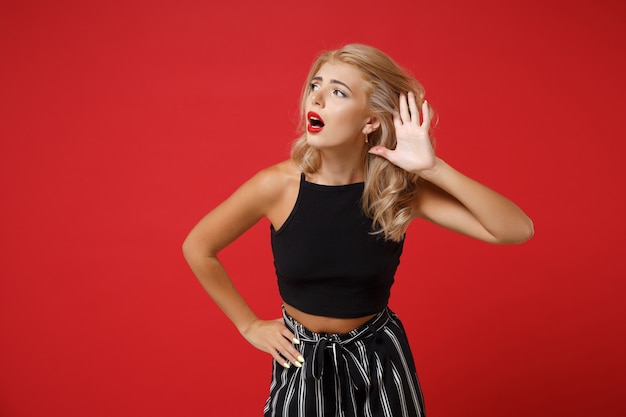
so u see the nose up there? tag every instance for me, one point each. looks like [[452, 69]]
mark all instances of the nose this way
[[317, 98]]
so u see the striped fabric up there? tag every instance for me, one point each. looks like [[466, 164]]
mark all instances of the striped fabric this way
[[368, 372]]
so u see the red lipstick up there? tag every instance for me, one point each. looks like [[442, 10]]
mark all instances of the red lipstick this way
[[314, 122]]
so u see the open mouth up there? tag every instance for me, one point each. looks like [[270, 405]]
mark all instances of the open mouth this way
[[315, 122]]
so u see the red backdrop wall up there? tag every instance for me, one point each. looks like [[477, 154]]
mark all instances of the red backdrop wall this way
[[122, 123]]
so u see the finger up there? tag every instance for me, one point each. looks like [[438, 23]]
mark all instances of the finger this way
[[397, 121], [283, 330], [290, 336], [380, 151], [291, 354], [289, 351], [280, 359], [426, 115], [413, 107], [404, 110]]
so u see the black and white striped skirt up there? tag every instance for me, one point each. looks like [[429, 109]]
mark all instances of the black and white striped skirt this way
[[368, 372]]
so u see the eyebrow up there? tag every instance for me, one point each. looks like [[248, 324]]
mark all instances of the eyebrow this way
[[333, 82]]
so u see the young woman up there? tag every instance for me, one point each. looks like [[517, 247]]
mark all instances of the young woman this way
[[362, 170]]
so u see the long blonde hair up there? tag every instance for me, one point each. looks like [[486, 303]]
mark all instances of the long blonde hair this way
[[389, 190]]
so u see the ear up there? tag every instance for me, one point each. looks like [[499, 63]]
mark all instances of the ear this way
[[371, 125]]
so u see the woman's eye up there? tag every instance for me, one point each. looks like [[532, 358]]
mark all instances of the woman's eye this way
[[339, 93], [314, 87]]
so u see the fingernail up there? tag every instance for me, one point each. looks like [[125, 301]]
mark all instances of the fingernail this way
[[300, 358], [296, 341], [287, 365], [297, 365]]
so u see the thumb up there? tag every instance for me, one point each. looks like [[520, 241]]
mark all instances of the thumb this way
[[380, 151]]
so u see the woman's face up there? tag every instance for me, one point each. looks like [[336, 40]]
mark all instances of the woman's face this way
[[336, 107]]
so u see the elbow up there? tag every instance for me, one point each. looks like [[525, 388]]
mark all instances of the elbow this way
[[195, 249], [188, 250], [530, 231], [527, 231], [523, 233], [191, 249]]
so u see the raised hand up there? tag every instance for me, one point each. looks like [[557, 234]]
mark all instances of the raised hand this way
[[414, 151], [273, 337]]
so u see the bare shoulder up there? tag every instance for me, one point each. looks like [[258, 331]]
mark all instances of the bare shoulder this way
[[274, 181], [269, 193], [277, 190], [258, 196], [270, 183], [273, 190]]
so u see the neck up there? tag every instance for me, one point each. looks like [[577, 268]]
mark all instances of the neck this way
[[339, 169]]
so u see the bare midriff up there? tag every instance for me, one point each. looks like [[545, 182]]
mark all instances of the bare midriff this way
[[322, 324]]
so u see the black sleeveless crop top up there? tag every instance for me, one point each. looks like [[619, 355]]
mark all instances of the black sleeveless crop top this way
[[327, 261]]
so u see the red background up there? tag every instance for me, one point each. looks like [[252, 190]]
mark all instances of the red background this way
[[122, 123]]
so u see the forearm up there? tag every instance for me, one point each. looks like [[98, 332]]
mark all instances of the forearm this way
[[215, 281], [499, 216], [271, 336]]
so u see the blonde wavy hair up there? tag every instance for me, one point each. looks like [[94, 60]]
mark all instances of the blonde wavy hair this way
[[389, 190]]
